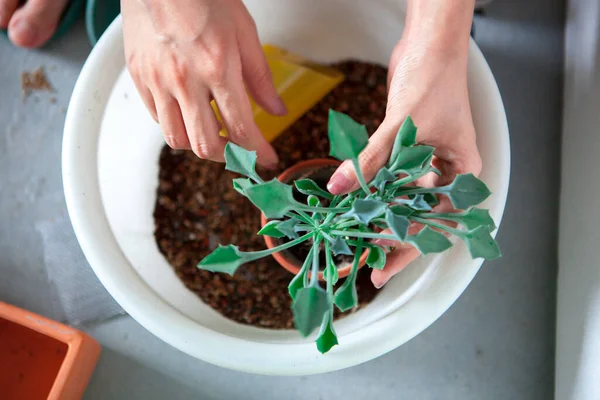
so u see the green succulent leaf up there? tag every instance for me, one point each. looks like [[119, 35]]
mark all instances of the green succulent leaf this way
[[466, 191], [430, 241], [376, 258], [313, 201], [240, 160], [481, 244], [327, 337], [270, 229], [364, 210], [417, 203], [475, 218], [287, 228], [310, 187], [398, 224], [345, 297], [339, 246], [347, 137], [406, 137], [225, 259], [431, 199], [298, 282], [412, 160], [241, 184], [273, 198], [383, 176], [330, 273], [403, 210], [309, 307]]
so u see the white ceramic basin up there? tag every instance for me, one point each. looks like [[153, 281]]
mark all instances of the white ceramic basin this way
[[110, 172]]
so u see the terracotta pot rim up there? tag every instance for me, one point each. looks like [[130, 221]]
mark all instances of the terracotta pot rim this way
[[287, 263]]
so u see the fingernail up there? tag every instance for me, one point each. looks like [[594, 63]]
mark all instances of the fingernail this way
[[381, 284], [279, 106], [339, 183], [24, 30]]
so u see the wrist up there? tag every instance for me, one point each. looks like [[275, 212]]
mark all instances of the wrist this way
[[441, 27]]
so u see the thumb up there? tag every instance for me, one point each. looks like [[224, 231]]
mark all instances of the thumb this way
[[257, 74], [371, 159]]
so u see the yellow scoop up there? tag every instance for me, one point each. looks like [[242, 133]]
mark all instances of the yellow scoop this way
[[299, 82]]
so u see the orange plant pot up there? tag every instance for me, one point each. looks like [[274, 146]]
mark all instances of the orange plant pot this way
[[293, 173], [43, 359]]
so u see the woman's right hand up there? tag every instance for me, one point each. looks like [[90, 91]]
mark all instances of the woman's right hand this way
[[182, 54]]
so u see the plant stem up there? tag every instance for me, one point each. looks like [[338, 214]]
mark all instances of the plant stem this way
[[360, 176], [445, 228], [255, 255], [326, 210], [300, 217], [330, 217], [366, 235], [421, 190], [314, 276]]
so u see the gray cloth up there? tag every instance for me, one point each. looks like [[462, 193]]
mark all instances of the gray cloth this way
[[82, 297]]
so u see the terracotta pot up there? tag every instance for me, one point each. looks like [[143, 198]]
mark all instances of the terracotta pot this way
[[298, 171], [41, 358]]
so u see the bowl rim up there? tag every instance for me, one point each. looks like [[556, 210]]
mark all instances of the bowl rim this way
[[85, 208]]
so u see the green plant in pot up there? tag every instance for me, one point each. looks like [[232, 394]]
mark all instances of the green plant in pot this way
[[330, 226]]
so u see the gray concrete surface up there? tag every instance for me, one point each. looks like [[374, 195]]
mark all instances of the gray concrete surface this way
[[496, 342]]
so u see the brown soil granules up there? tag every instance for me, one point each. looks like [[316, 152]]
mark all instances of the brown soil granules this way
[[197, 208], [35, 80]]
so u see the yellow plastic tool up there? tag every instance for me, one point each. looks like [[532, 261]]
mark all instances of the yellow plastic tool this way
[[300, 83]]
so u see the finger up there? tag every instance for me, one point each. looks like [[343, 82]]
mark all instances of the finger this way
[[7, 8], [371, 159], [34, 23], [396, 261], [171, 123], [147, 98], [256, 71], [236, 113], [202, 127]]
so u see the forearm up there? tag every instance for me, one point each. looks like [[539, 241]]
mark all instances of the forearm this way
[[440, 25]]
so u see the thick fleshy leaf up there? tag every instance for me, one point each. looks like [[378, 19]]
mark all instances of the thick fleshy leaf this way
[[346, 298], [241, 184], [412, 158], [430, 241], [287, 228], [327, 337], [431, 199], [347, 137], [383, 176], [308, 187], [406, 137], [481, 244], [331, 272], [240, 160], [270, 229], [339, 246], [309, 308], [313, 201], [364, 210], [401, 209], [466, 191], [376, 257], [398, 224], [298, 282], [417, 203], [475, 218], [225, 259], [273, 198]]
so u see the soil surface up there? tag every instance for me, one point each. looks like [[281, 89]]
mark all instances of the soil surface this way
[[197, 208]]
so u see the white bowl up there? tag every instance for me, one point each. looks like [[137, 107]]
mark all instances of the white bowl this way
[[110, 173]]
